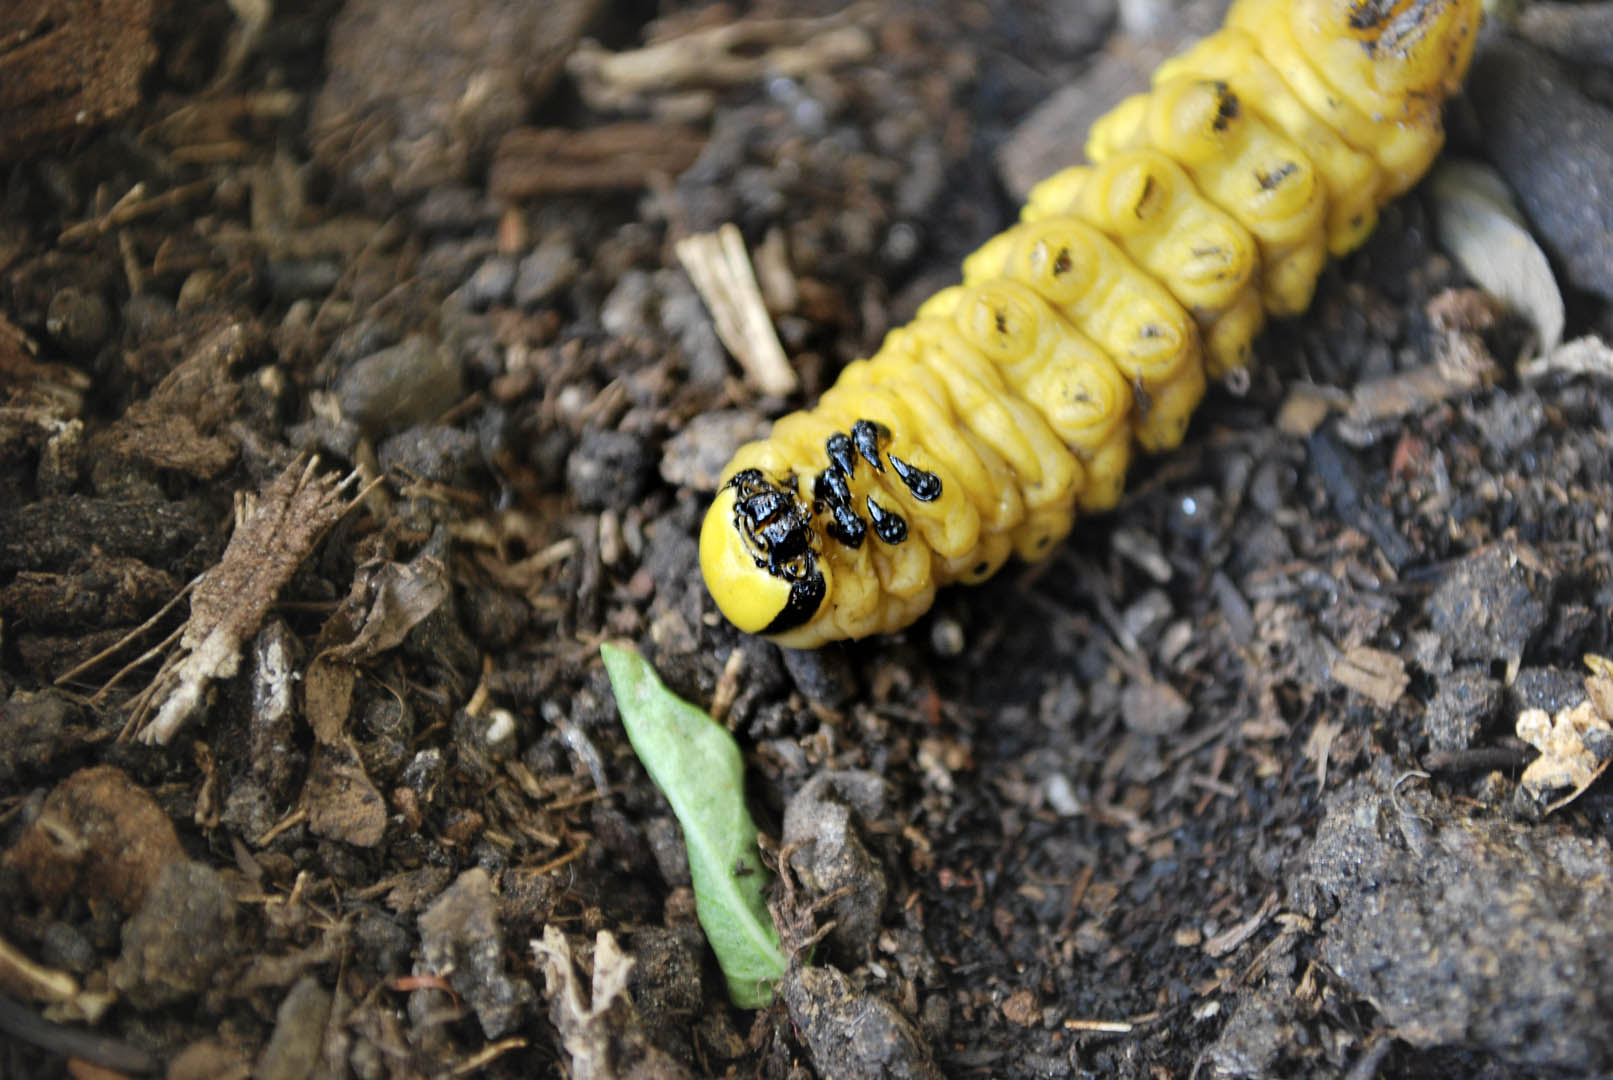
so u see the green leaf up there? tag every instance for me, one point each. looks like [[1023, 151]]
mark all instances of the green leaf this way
[[696, 764]]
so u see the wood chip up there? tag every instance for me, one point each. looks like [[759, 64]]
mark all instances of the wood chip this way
[[1233, 936], [734, 53], [547, 161], [1319, 747], [1583, 356], [1391, 397], [67, 65], [343, 804], [1575, 745], [275, 531], [1306, 406], [180, 425], [720, 268], [1372, 673], [20, 975]]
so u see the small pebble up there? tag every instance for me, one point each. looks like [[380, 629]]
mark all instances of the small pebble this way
[[432, 452], [1580, 32], [1547, 688], [1554, 145], [491, 283], [460, 935], [412, 382], [1194, 512], [1153, 708], [1489, 606], [1061, 796], [146, 314], [696, 456], [78, 320], [64, 946], [544, 273], [609, 469], [302, 279], [684, 314], [452, 208], [185, 933], [1146, 614], [293, 1049], [1079, 26], [946, 637], [824, 676], [626, 311], [1272, 486]]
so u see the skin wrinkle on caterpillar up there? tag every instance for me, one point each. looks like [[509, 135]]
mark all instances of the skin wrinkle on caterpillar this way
[[1089, 330]]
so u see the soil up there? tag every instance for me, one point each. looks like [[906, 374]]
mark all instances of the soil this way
[[353, 395]]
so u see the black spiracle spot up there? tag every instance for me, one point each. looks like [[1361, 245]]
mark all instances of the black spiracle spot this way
[[1269, 181], [1227, 109]]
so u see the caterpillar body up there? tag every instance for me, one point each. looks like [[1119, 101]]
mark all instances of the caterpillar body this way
[[1015, 400]]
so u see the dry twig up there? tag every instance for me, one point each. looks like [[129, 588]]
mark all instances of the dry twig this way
[[720, 268], [274, 532], [735, 53]]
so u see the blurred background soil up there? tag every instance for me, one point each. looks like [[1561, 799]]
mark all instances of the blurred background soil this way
[[370, 313]]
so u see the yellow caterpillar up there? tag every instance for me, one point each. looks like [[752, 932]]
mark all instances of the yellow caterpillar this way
[[1013, 401]]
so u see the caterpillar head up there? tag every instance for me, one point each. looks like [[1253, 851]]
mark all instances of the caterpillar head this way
[[760, 554]]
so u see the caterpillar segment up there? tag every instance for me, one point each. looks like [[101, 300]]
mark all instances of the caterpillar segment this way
[[1241, 165], [1377, 72], [1148, 205], [1352, 178], [1104, 299], [1015, 401]]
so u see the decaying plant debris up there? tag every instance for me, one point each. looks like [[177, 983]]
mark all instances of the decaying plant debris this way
[[1232, 785], [65, 67], [274, 533]]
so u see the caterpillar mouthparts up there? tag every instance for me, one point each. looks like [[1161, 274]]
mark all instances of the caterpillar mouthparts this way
[[1015, 400]]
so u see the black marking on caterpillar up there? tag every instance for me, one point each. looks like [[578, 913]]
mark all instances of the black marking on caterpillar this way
[[925, 486], [1270, 180], [779, 534], [889, 526], [772, 519], [868, 437], [1227, 111], [1088, 331], [841, 453], [833, 490]]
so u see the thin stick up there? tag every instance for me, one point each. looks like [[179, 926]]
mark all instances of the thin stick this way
[[85, 665], [136, 662], [720, 268]]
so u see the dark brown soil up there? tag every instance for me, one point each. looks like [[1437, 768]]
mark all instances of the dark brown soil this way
[[370, 314]]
